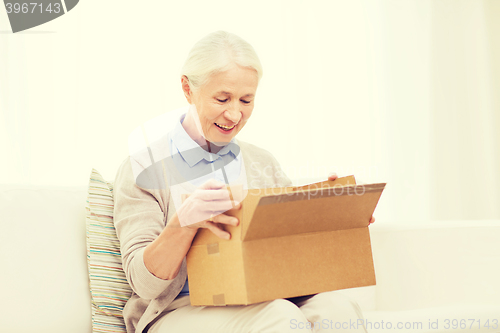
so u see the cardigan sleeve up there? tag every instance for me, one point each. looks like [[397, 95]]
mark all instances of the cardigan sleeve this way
[[139, 218]]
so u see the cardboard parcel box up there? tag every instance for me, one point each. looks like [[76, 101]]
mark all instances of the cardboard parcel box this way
[[304, 240]]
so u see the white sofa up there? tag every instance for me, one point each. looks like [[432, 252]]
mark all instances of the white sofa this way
[[426, 273]]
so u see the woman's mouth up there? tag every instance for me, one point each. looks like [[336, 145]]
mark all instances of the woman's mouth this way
[[225, 128]]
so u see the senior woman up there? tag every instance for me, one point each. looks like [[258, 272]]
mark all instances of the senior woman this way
[[155, 229]]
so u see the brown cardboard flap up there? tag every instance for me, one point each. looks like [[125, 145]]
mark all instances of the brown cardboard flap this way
[[313, 210], [250, 202], [253, 196], [342, 181]]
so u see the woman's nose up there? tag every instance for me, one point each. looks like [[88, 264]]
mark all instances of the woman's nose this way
[[233, 114]]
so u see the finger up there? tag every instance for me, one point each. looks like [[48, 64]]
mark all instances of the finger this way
[[236, 204], [213, 195], [226, 219], [212, 184], [220, 207], [217, 207], [217, 231], [332, 176]]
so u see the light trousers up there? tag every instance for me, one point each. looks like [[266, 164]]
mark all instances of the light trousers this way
[[324, 312]]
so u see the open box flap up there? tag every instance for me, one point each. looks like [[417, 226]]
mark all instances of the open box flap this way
[[313, 210], [253, 196], [342, 181]]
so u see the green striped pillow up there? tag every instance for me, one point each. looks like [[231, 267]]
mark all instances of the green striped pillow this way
[[108, 285]]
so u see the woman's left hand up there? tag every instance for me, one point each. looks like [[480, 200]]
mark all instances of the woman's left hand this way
[[334, 176]]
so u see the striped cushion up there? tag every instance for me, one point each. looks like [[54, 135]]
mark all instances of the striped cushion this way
[[108, 285]]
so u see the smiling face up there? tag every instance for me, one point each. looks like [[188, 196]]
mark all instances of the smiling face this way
[[223, 105]]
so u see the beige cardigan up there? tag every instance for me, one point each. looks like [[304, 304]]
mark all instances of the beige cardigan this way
[[140, 216]]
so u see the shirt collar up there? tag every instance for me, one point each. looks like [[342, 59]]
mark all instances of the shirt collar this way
[[191, 151]]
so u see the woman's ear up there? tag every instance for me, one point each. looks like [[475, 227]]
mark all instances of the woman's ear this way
[[187, 89]]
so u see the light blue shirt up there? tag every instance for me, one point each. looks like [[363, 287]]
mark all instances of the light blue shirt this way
[[199, 165]]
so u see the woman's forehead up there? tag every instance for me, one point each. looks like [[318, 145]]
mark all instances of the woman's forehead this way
[[223, 92], [237, 80]]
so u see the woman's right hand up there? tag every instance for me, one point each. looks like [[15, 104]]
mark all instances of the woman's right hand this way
[[205, 208]]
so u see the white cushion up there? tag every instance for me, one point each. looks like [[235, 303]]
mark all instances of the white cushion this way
[[44, 278], [436, 264]]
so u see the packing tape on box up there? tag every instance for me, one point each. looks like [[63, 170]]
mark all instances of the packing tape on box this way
[[213, 248], [219, 299]]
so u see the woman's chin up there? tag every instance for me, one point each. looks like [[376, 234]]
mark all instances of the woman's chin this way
[[222, 137], [220, 142]]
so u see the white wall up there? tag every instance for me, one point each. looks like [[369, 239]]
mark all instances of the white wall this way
[[401, 92]]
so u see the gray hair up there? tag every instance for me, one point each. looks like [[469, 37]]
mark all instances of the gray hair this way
[[216, 53]]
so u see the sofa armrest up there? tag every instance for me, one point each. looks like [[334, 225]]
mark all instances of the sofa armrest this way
[[436, 263]]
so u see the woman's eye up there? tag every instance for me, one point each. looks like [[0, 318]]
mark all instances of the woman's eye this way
[[246, 102], [222, 100]]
